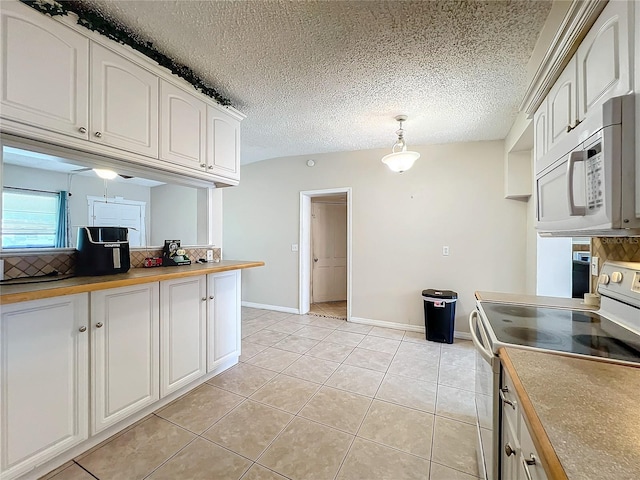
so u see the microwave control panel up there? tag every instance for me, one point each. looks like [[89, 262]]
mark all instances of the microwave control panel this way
[[595, 173]]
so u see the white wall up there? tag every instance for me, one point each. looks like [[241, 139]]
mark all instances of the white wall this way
[[174, 215], [554, 267], [81, 187], [452, 196]]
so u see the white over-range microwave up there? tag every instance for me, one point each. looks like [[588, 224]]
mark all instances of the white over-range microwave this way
[[589, 183]]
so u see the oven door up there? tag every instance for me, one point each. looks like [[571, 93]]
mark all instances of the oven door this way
[[486, 400]]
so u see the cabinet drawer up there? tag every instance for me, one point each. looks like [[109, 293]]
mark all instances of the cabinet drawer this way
[[509, 401], [529, 458]]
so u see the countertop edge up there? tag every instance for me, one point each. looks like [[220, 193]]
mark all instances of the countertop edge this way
[[120, 280], [550, 461]]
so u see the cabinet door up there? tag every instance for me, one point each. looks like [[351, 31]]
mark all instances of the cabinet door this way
[[529, 458], [182, 332], [540, 135], [125, 325], [605, 58], [223, 144], [561, 104], [509, 450], [223, 318], [124, 103], [183, 128], [51, 89], [44, 348]]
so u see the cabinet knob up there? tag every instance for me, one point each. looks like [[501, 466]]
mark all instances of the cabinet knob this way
[[509, 450], [210, 167], [83, 328], [82, 130], [99, 325], [98, 134], [203, 165], [204, 299], [210, 297]]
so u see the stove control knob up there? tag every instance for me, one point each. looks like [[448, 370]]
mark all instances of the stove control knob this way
[[604, 279], [616, 277]]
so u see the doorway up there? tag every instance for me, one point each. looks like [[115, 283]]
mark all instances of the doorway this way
[[325, 253]]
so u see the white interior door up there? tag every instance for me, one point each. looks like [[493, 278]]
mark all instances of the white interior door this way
[[329, 251], [120, 214]]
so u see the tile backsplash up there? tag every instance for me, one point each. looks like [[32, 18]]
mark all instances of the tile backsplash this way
[[64, 262]]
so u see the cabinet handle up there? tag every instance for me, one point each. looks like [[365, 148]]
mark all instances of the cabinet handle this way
[[525, 464], [82, 130], [508, 449], [210, 297], [98, 134], [504, 390], [203, 165], [83, 329], [99, 325]]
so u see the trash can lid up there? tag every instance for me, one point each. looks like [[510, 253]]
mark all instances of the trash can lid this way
[[444, 294]]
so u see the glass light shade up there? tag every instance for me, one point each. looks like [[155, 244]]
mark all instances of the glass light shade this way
[[400, 161], [106, 174]]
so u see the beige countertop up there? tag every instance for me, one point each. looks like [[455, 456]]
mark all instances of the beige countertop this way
[[32, 291], [540, 301], [588, 410]]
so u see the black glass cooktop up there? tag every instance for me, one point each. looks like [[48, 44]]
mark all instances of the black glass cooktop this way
[[571, 331]]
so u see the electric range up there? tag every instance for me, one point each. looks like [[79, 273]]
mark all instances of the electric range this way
[[610, 334]]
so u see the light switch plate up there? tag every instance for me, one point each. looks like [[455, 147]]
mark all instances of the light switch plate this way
[[595, 262], [445, 251], [209, 255]]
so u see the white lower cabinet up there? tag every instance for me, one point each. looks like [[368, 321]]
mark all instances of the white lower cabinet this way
[[44, 378], [183, 338], [125, 349], [519, 459], [223, 318]]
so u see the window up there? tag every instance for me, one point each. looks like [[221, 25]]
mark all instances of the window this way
[[29, 219]]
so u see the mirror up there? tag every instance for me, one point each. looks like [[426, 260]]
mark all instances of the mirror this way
[[153, 209]]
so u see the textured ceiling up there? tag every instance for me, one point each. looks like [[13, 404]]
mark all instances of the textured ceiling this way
[[325, 76]]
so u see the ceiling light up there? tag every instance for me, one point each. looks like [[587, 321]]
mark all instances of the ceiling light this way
[[106, 174], [400, 160]]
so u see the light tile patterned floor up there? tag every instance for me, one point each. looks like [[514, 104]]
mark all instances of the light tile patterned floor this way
[[313, 398], [330, 309]]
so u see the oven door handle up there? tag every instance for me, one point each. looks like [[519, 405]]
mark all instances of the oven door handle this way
[[486, 354]]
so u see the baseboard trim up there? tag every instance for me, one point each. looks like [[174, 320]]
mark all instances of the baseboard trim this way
[[275, 308], [402, 326]]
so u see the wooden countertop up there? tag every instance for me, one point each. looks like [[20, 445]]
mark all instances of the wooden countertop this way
[[583, 415], [540, 301], [32, 291]]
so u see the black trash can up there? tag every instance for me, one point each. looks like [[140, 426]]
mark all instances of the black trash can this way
[[439, 314]]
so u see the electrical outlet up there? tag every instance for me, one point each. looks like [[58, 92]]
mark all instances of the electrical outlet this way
[[595, 261], [294, 247], [445, 251], [209, 255]]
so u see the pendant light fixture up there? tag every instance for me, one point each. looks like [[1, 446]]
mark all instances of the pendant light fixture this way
[[400, 160]]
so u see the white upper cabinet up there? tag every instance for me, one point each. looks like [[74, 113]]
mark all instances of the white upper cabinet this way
[[604, 57], [223, 318], [540, 132], [183, 129], [183, 338], [223, 144], [44, 72], [125, 352], [124, 103], [561, 104], [44, 388]]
